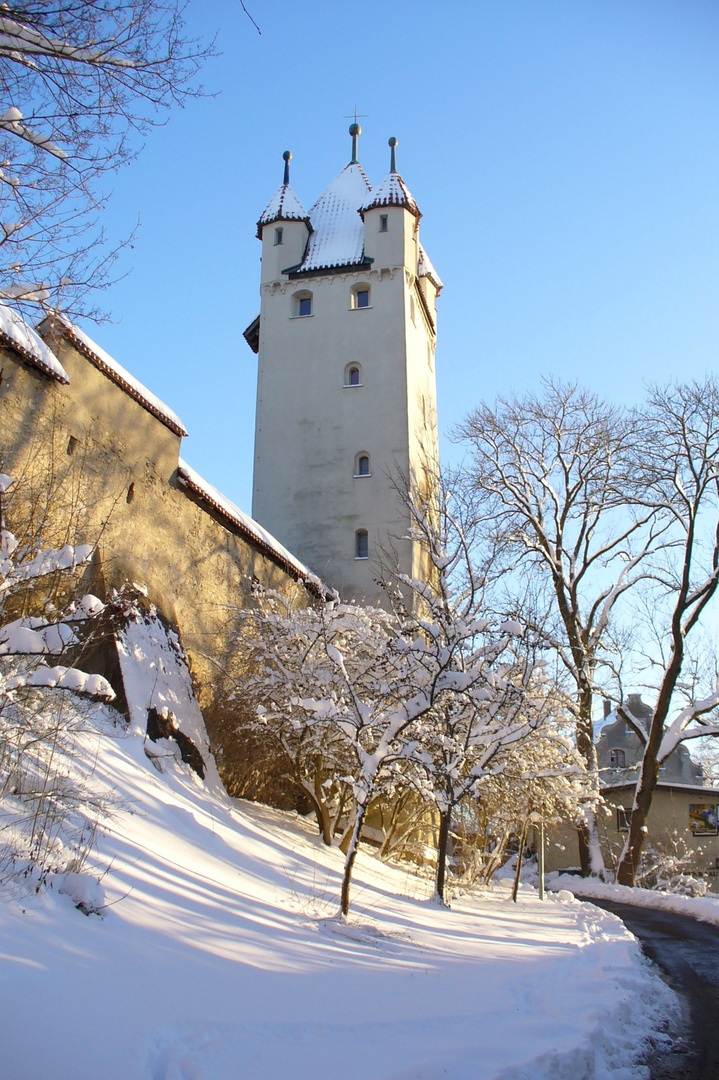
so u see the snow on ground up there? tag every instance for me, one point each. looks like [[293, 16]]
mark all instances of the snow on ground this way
[[219, 957], [704, 908]]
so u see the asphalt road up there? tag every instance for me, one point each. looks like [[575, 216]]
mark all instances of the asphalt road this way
[[687, 954]]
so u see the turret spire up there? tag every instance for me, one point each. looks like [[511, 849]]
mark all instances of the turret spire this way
[[355, 132], [287, 158], [393, 155]]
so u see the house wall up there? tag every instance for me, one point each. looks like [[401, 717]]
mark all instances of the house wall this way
[[668, 824], [91, 464]]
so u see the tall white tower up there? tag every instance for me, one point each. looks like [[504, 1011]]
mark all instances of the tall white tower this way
[[346, 395]]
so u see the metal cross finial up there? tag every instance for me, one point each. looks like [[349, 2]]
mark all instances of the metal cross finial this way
[[355, 132]]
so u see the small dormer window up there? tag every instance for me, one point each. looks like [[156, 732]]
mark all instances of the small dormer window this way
[[278, 237], [383, 223]]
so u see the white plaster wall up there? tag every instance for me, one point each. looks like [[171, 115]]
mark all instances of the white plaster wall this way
[[310, 426]]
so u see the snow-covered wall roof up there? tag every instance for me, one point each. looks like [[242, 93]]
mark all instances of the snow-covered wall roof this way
[[119, 375], [15, 333], [283, 206], [191, 479], [338, 237], [425, 269]]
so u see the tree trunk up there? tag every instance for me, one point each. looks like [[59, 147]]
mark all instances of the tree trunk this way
[[631, 855], [445, 820], [323, 814], [350, 859], [590, 852]]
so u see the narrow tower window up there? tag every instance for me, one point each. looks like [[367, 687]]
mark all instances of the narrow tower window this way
[[362, 465], [361, 544], [353, 375], [278, 237], [383, 223], [363, 298]]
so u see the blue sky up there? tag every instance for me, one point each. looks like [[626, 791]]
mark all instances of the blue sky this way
[[564, 155]]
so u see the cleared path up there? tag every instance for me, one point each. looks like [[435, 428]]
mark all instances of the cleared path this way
[[687, 953]]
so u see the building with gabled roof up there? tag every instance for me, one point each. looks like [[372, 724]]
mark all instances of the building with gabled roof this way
[[346, 395]]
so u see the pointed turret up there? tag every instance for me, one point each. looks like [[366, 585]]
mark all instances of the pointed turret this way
[[283, 228], [284, 204], [392, 191]]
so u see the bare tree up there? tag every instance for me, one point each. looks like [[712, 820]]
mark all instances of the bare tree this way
[[80, 80], [554, 478], [680, 477]]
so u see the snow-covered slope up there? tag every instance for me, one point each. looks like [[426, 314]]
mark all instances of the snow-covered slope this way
[[219, 957]]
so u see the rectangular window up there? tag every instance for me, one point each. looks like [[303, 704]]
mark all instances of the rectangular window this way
[[624, 816], [278, 237], [305, 306], [383, 223], [363, 298]]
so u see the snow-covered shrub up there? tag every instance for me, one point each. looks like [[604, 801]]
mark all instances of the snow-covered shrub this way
[[48, 807], [668, 864]]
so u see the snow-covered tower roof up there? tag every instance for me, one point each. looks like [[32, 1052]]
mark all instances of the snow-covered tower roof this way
[[392, 191], [284, 204], [337, 231]]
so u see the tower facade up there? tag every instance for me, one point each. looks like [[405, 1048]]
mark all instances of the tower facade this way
[[346, 394]]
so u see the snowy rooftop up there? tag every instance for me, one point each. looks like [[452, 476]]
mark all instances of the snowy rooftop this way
[[283, 206], [119, 375], [393, 192], [15, 332], [338, 237], [425, 269], [191, 479]]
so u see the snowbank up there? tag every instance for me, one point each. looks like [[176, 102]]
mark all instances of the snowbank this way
[[705, 908], [217, 955]]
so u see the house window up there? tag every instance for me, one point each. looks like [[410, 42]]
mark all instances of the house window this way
[[383, 223], [361, 544], [360, 296], [353, 375], [617, 759], [362, 465], [302, 304], [624, 817], [278, 237]]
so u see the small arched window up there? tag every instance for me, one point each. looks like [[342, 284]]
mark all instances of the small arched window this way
[[302, 304], [360, 296], [353, 375], [617, 759], [361, 544], [362, 465]]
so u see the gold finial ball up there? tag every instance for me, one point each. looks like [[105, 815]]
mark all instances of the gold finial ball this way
[[355, 129], [287, 156], [392, 142]]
